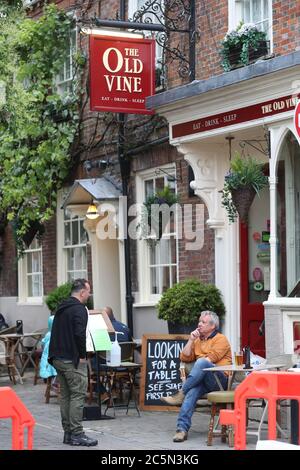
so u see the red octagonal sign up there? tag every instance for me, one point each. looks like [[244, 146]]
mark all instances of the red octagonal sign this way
[[297, 119]]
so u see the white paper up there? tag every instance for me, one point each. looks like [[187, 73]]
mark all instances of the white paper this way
[[89, 341], [96, 322]]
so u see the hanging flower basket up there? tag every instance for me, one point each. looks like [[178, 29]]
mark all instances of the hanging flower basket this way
[[155, 213], [36, 228], [242, 198], [243, 181]]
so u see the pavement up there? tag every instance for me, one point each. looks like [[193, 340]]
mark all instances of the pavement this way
[[153, 430]]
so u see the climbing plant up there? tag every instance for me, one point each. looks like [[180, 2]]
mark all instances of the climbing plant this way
[[38, 126]]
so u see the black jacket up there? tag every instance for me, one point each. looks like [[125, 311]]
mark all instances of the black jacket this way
[[68, 334]]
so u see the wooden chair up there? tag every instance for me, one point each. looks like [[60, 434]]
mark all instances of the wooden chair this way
[[50, 388], [220, 399], [216, 401], [11, 329], [8, 356]]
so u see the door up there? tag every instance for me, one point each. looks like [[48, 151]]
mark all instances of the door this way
[[255, 272]]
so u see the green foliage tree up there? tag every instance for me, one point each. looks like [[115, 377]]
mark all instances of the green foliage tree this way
[[183, 302], [35, 146], [57, 295]]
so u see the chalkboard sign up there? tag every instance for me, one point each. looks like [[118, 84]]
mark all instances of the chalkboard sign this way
[[160, 369]]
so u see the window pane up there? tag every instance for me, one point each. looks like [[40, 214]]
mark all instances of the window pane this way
[[67, 214], [164, 246], [67, 233], [159, 184], [29, 286], [154, 281], [36, 262], [29, 263], [149, 188], [154, 254], [165, 278], [34, 284], [266, 9], [173, 275], [257, 11], [79, 258], [246, 11], [70, 256], [68, 69], [83, 234], [173, 250], [75, 229]]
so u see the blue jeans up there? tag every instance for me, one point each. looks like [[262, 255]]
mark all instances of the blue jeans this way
[[198, 383]]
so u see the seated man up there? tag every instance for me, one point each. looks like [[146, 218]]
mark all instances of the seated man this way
[[119, 327], [208, 348]]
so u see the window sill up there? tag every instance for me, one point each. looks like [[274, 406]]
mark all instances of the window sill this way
[[145, 304], [31, 301]]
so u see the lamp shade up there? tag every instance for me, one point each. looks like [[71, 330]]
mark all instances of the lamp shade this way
[[92, 212]]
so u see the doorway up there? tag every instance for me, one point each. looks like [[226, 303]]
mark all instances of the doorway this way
[[255, 272]]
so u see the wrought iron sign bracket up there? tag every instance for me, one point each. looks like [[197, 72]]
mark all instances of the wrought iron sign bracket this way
[[165, 18]]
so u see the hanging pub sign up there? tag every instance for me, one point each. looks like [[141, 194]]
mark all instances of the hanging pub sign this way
[[122, 73]]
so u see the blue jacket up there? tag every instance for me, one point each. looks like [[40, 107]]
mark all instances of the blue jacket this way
[[120, 328], [46, 370]]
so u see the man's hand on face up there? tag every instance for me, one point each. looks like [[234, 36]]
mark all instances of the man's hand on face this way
[[195, 334]]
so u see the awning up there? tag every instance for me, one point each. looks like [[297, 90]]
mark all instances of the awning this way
[[99, 189]]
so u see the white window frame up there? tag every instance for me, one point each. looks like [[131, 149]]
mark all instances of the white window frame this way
[[62, 257], [235, 16], [23, 297], [144, 279], [62, 86]]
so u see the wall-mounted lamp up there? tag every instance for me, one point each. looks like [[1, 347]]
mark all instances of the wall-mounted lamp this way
[[92, 212], [88, 165]]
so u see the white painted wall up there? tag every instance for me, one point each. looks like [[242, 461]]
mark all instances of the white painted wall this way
[[34, 317]]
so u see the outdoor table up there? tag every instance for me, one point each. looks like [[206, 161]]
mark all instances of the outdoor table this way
[[15, 347], [130, 370], [233, 369]]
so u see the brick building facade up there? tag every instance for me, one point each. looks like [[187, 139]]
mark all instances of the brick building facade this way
[[152, 156]]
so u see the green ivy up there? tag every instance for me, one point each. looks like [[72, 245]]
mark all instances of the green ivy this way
[[37, 126]]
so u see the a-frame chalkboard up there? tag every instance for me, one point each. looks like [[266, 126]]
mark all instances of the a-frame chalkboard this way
[[160, 369]]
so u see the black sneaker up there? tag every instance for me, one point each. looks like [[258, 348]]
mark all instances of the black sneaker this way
[[82, 440], [67, 437]]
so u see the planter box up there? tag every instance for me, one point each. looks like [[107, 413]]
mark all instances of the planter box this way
[[262, 50], [253, 54]]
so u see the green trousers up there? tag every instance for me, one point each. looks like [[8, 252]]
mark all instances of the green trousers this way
[[73, 386]]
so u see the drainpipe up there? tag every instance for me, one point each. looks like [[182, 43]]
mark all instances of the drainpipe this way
[[125, 175]]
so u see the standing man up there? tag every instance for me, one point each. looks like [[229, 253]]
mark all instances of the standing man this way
[[67, 353], [208, 348]]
